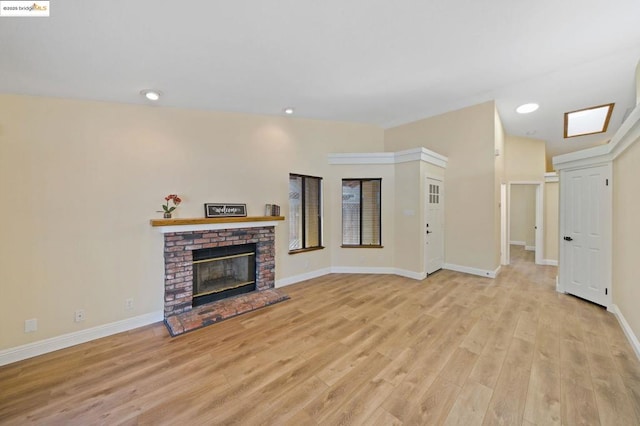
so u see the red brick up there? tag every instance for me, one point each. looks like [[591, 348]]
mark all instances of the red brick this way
[[178, 255]]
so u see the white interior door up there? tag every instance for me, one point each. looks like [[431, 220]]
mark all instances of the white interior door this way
[[434, 226], [585, 233]]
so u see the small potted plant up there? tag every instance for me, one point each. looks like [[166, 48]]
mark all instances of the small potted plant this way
[[171, 198]]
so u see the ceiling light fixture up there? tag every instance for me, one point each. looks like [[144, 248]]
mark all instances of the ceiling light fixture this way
[[152, 95], [527, 108], [288, 111], [587, 121]]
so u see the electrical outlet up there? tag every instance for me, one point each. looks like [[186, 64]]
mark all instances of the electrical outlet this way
[[79, 317], [128, 304], [31, 325]]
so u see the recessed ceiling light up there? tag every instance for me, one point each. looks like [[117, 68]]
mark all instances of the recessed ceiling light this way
[[587, 121], [527, 108], [288, 111], [152, 95]]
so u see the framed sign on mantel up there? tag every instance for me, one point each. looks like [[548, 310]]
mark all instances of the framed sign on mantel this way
[[224, 210]]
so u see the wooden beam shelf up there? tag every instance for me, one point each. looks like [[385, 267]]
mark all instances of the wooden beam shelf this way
[[213, 220]]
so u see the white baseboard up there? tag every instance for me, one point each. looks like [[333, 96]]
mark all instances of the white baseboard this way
[[472, 271], [517, 243], [411, 274], [378, 270], [550, 262], [361, 270], [30, 350], [530, 248], [497, 271], [633, 339], [302, 277], [351, 270]]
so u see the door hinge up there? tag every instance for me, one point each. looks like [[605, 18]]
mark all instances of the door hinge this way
[[606, 291], [607, 182]]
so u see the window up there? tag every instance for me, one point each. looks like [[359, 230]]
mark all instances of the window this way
[[361, 213], [434, 194], [305, 213]]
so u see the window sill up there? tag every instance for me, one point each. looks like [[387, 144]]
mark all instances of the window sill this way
[[304, 250], [359, 246]]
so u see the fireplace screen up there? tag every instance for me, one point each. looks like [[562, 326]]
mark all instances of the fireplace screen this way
[[223, 272]]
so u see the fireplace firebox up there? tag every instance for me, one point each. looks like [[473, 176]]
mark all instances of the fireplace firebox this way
[[222, 272]]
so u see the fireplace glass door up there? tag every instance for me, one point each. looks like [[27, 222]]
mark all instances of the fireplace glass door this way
[[223, 272]]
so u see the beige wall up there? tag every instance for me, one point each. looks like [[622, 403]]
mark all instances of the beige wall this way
[[523, 215], [626, 230], [626, 235], [467, 137], [409, 217], [551, 219], [525, 159], [80, 181], [549, 164]]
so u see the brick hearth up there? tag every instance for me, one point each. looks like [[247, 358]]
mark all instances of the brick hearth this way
[[178, 260], [211, 313]]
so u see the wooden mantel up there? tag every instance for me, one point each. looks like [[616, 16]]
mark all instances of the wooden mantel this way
[[203, 220], [201, 223]]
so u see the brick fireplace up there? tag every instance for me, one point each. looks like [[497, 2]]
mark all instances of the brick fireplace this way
[[180, 242]]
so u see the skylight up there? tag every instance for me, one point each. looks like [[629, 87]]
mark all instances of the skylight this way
[[587, 121]]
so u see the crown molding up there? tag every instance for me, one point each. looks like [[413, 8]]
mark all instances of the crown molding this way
[[362, 158], [551, 177], [415, 154]]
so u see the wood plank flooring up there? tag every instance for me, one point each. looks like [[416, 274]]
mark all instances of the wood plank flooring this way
[[454, 349]]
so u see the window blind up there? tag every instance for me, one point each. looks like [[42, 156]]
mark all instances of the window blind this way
[[361, 212]]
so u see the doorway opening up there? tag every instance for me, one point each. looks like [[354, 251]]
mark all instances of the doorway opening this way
[[523, 223]]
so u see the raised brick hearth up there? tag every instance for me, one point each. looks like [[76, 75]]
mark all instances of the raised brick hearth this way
[[180, 317], [222, 309]]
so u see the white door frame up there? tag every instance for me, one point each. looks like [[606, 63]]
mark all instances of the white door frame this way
[[539, 222], [425, 193], [504, 241]]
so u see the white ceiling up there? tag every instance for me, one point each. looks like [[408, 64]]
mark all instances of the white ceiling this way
[[370, 61]]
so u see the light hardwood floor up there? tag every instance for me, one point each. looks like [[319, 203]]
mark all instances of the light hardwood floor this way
[[354, 349]]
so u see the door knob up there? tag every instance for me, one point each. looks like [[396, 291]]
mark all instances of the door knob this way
[[568, 239], [429, 232]]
